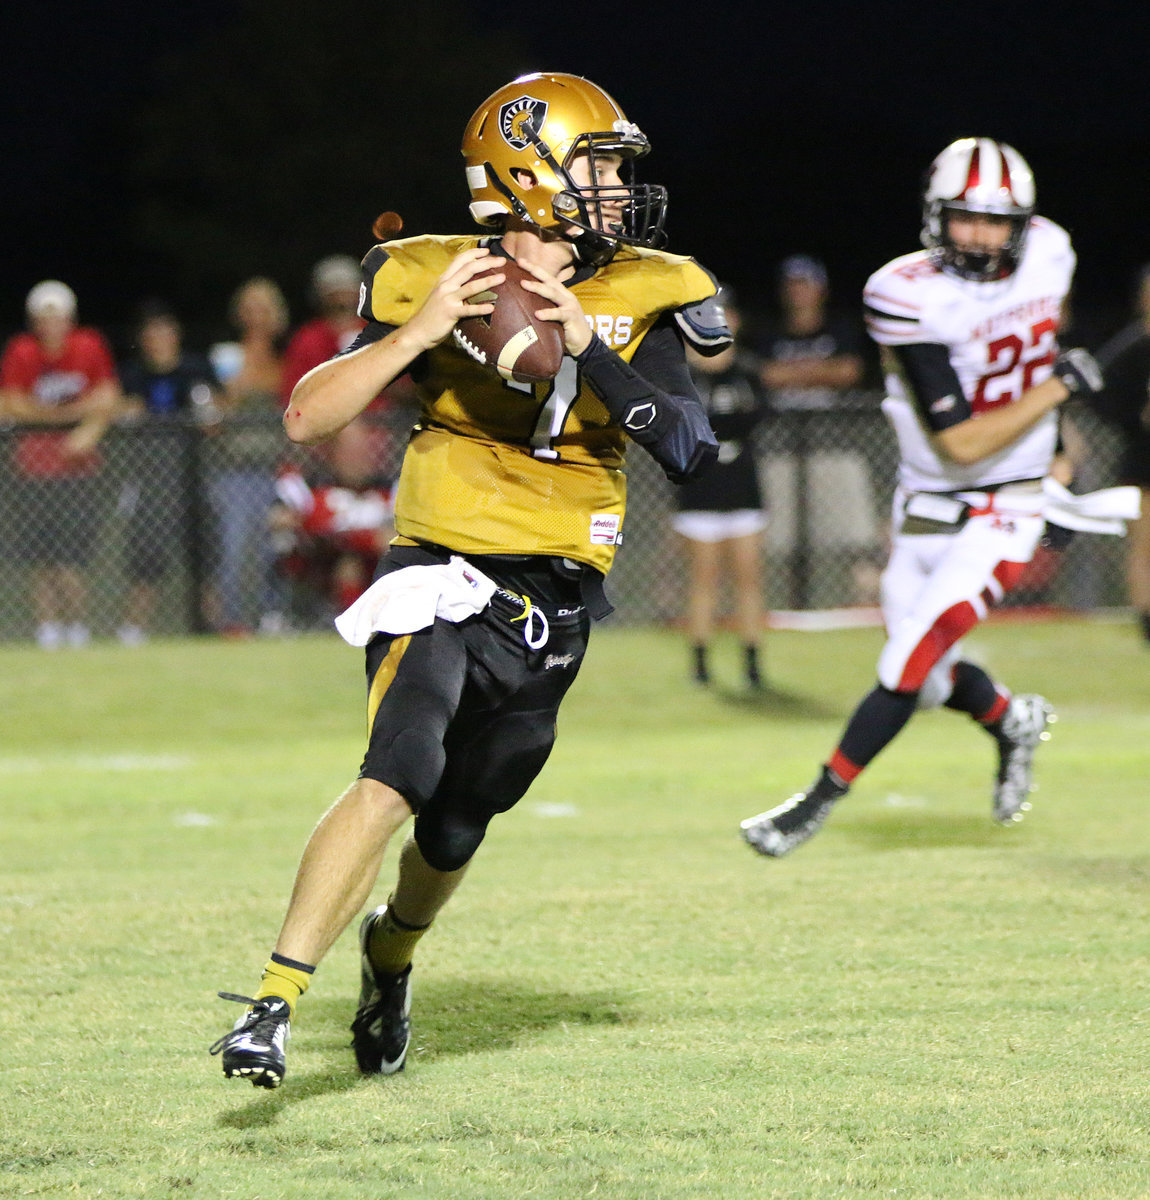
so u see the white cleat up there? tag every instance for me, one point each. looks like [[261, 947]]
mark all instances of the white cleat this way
[[1026, 723]]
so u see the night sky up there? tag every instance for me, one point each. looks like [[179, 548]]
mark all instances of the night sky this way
[[776, 130]]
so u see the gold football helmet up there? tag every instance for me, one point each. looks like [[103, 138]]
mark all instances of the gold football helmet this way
[[539, 124]]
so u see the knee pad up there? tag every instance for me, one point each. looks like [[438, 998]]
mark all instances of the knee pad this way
[[448, 841], [938, 685], [412, 763]]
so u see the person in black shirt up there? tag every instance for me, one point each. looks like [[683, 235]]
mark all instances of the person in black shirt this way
[[1125, 403], [163, 383], [810, 355], [721, 514]]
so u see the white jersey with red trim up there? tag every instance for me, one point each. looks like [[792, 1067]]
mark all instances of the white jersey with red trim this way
[[1002, 339]]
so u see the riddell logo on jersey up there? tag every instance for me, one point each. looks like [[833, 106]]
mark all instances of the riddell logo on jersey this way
[[604, 529]]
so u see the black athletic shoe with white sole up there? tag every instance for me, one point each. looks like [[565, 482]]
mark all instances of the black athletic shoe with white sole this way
[[254, 1048], [1021, 729], [779, 830], [381, 1031]]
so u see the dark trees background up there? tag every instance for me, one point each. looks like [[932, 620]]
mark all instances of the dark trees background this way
[[175, 150]]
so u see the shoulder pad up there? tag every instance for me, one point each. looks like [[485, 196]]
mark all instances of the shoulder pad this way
[[896, 297], [397, 276], [1052, 240], [704, 325], [655, 281], [704, 322]]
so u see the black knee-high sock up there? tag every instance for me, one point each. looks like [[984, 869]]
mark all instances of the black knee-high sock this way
[[874, 725], [975, 693], [699, 667]]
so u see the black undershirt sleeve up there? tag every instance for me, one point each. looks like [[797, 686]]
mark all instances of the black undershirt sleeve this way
[[933, 383], [654, 400], [373, 331]]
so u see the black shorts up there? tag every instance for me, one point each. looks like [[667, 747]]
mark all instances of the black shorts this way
[[463, 715]]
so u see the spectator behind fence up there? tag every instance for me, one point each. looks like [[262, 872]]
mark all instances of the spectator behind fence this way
[[721, 516], [162, 383], [821, 498], [810, 357], [241, 460], [62, 377], [335, 283], [333, 523], [335, 290], [1125, 403]]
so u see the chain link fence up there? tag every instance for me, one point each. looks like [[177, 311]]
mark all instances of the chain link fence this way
[[175, 528]]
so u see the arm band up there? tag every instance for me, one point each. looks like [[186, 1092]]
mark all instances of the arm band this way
[[933, 384], [673, 429]]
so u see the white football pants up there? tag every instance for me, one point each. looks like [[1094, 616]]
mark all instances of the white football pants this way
[[939, 586]]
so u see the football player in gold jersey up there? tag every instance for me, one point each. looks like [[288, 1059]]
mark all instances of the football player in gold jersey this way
[[509, 508]]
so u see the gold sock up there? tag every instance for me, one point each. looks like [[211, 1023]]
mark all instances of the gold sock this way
[[286, 978], [392, 943]]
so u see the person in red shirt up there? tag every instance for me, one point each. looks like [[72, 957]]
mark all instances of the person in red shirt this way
[[335, 285], [334, 522], [61, 378]]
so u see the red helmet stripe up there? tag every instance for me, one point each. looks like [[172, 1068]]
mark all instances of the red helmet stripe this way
[[972, 172], [1006, 181]]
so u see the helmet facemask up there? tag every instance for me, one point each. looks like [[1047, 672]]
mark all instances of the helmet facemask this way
[[982, 266], [642, 207]]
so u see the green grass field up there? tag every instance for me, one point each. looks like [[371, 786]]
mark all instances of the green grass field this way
[[623, 1001]]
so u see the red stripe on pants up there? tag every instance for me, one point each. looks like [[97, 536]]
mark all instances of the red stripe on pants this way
[[1008, 574], [951, 625]]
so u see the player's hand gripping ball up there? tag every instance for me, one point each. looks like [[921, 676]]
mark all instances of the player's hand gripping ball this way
[[511, 339]]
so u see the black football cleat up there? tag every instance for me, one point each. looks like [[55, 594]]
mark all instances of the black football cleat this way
[[780, 830], [381, 1031], [254, 1048]]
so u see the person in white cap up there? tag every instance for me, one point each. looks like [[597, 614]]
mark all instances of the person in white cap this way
[[335, 286], [60, 379]]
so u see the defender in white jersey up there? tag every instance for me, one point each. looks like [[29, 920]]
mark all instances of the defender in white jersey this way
[[968, 330]]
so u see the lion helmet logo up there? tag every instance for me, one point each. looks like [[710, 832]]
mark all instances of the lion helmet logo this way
[[515, 114]]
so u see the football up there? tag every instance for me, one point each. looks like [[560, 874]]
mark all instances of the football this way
[[510, 338]]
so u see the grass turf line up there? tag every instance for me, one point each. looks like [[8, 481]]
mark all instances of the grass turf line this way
[[622, 1000]]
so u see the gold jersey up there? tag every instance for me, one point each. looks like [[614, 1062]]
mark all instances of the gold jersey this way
[[497, 467]]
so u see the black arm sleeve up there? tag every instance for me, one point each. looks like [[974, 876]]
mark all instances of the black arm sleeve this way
[[654, 401], [933, 384]]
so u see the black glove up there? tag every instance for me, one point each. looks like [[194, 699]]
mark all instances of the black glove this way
[[1079, 372]]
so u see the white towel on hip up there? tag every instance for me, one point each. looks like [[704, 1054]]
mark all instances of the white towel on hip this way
[[411, 598], [1104, 511]]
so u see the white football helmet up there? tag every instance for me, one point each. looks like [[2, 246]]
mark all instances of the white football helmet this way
[[977, 175]]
